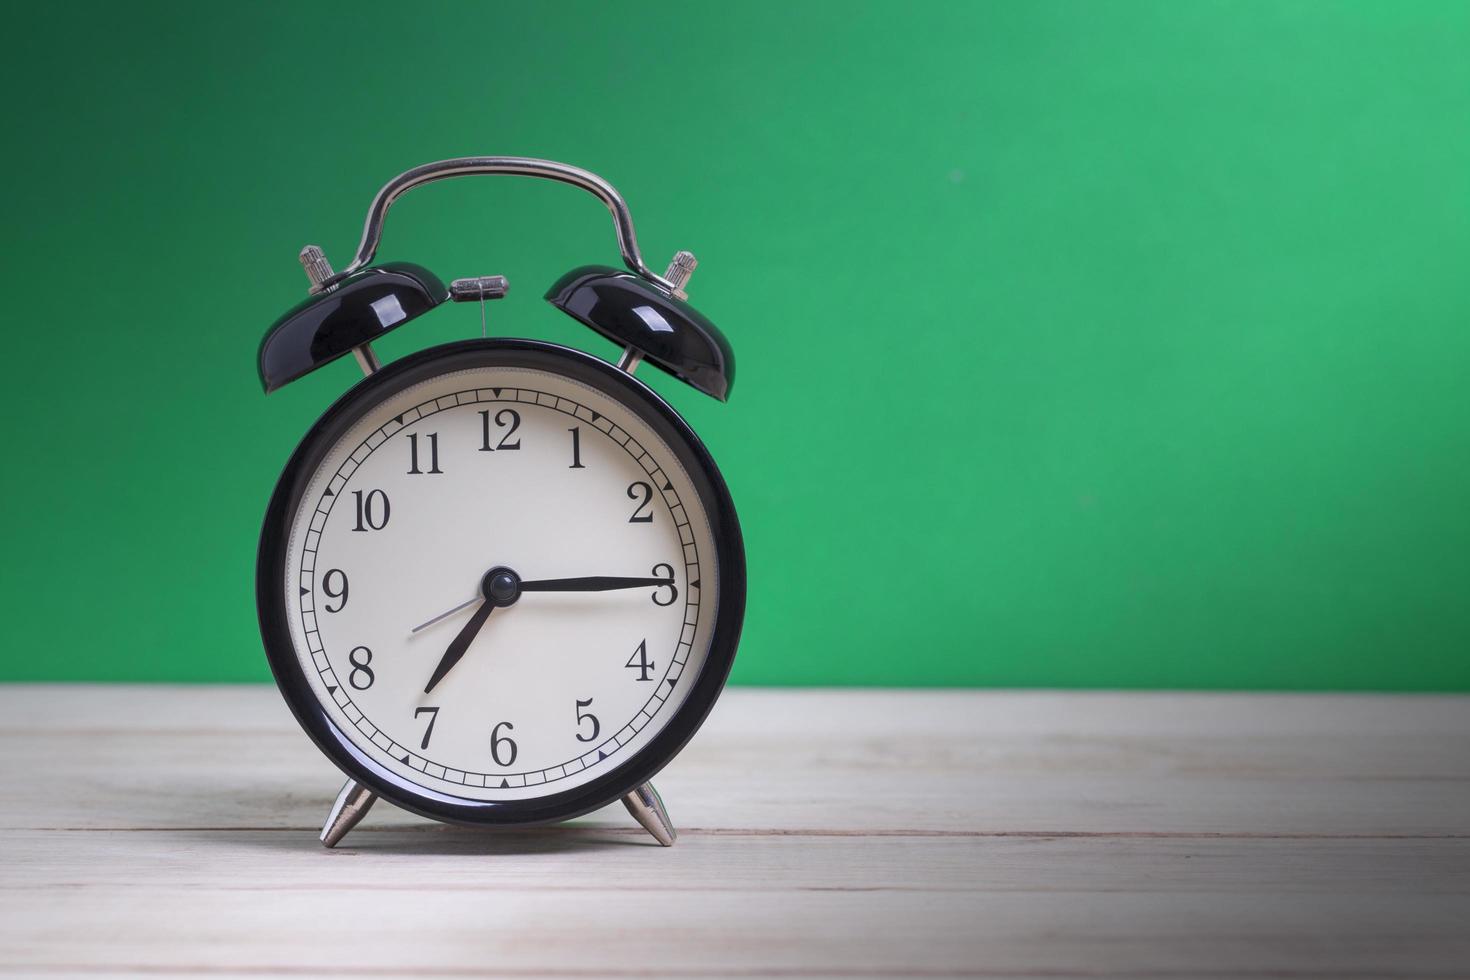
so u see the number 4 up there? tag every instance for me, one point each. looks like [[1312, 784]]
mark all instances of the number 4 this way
[[640, 662]]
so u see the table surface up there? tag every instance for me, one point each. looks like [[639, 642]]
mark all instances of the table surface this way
[[876, 833]]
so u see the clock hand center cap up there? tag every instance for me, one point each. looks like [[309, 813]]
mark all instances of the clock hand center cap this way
[[501, 586]]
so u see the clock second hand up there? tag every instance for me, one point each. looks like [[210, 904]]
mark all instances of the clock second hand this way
[[587, 583], [445, 615]]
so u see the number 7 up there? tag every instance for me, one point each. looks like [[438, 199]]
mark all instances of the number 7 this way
[[433, 717]]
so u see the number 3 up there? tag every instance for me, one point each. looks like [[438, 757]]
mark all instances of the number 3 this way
[[668, 573]]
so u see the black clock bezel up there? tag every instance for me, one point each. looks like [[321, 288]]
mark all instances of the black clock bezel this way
[[346, 412]]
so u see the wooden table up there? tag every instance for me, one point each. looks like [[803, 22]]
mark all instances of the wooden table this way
[[873, 833]]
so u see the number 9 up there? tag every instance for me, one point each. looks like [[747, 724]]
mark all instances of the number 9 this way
[[338, 593]]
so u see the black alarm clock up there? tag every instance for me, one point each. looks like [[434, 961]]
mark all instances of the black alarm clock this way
[[500, 581]]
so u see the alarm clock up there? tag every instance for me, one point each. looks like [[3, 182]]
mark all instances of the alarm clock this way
[[500, 581]]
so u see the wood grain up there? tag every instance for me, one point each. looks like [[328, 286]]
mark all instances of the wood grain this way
[[851, 833]]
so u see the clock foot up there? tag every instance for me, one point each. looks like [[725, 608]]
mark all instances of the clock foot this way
[[352, 805], [648, 809]]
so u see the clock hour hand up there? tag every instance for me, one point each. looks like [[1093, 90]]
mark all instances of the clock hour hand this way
[[460, 644], [591, 583], [500, 587]]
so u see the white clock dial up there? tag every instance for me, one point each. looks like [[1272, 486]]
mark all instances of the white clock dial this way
[[500, 467]]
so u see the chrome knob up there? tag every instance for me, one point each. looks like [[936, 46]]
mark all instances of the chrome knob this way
[[475, 288], [679, 271], [318, 269]]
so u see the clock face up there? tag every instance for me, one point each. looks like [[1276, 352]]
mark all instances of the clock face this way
[[501, 577]]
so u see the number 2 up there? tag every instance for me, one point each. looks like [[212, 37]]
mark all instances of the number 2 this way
[[634, 491]]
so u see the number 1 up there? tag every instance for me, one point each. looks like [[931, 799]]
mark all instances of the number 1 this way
[[576, 432]]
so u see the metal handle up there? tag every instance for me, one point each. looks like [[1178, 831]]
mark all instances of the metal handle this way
[[372, 231]]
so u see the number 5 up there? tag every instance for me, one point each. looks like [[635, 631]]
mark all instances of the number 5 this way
[[589, 716]]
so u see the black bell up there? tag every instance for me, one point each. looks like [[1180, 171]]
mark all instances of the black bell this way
[[632, 312], [361, 308]]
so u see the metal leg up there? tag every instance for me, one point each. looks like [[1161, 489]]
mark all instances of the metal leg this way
[[352, 805], [648, 809]]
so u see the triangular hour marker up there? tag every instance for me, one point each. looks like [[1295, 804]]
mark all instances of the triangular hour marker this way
[[596, 417], [496, 391], [331, 690], [694, 584], [304, 590], [668, 485], [404, 760], [398, 419], [671, 682], [601, 755], [505, 784], [329, 492]]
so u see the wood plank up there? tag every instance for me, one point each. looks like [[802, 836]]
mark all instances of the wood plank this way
[[939, 762], [571, 859], [854, 833], [666, 932]]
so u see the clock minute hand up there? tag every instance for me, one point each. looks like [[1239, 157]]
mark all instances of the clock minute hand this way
[[591, 583], [586, 583]]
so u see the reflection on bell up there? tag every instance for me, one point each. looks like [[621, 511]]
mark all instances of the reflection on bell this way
[[633, 312]]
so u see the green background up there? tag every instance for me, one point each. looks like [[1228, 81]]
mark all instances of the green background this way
[[1080, 344]]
